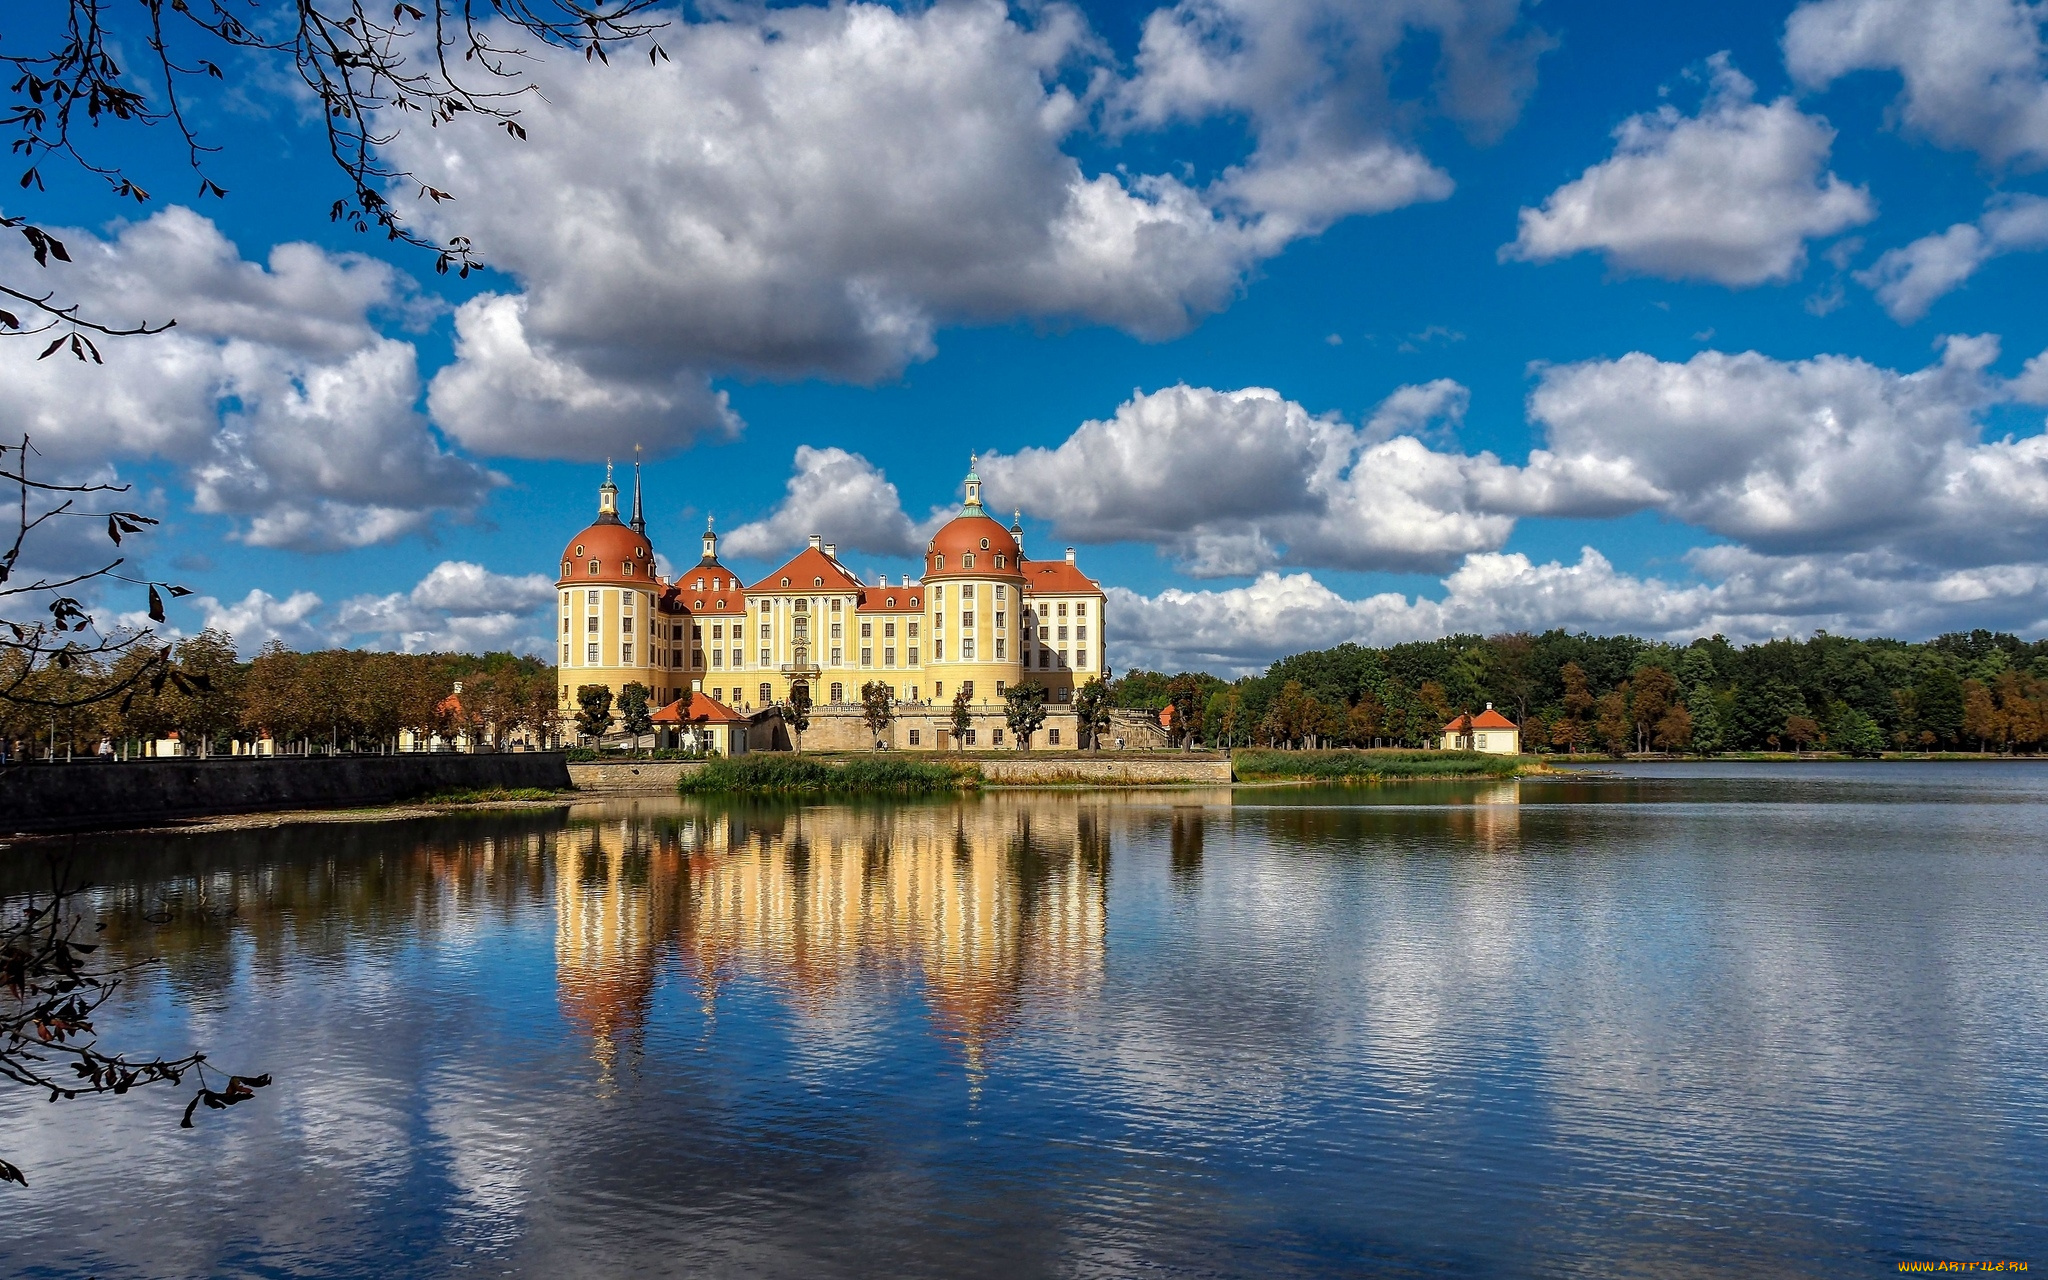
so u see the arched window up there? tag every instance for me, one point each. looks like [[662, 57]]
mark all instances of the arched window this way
[[892, 602], [967, 561], [565, 568], [593, 568], [721, 604], [628, 567], [999, 559], [939, 560], [785, 582], [817, 582]]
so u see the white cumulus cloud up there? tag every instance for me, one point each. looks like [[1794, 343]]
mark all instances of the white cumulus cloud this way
[[276, 394], [458, 607], [1910, 279], [1730, 195], [812, 191], [840, 496], [1974, 71]]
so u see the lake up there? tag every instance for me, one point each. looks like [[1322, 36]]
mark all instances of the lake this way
[[1685, 1020]]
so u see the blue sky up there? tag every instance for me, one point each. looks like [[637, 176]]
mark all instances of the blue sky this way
[[1305, 322]]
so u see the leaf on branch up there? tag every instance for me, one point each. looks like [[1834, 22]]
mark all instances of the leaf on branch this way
[[9, 1173], [208, 186], [8, 320], [178, 591], [52, 349], [513, 128], [45, 246], [156, 606], [114, 530]]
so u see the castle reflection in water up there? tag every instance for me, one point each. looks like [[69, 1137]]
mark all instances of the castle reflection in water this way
[[986, 907]]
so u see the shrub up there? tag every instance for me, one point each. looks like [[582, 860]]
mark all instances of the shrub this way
[[778, 774], [1372, 766]]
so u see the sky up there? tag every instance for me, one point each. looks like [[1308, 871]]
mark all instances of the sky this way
[[1302, 321]]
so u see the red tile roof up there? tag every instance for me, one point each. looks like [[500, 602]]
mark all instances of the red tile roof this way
[[1487, 719], [1057, 576], [699, 709], [803, 571], [876, 600]]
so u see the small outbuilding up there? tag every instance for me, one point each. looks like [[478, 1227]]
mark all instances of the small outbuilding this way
[[1489, 731], [701, 721]]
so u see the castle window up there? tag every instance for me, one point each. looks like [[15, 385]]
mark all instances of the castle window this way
[[565, 624], [938, 649], [717, 631], [888, 629], [915, 737], [817, 582], [891, 602], [1063, 609], [639, 553], [566, 569], [999, 619], [967, 560], [579, 551], [1081, 609], [999, 559], [591, 599], [867, 630], [967, 687], [838, 693], [998, 737], [1064, 695], [939, 561], [721, 604], [999, 652], [838, 631], [718, 657], [867, 657], [1081, 658], [765, 658], [565, 655], [966, 619], [626, 654], [675, 657], [1080, 633], [785, 582], [1052, 737], [697, 632], [967, 649], [837, 658], [911, 657], [802, 606], [911, 630], [1002, 592], [888, 657], [590, 655], [593, 568], [984, 544], [767, 694], [1044, 659], [700, 584], [590, 624], [835, 605]]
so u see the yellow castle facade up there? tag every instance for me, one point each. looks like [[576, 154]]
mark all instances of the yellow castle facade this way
[[981, 618]]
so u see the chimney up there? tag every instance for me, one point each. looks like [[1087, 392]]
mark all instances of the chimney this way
[[831, 551], [696, 686], [1070, 555], [816, 540], [1489, 706]]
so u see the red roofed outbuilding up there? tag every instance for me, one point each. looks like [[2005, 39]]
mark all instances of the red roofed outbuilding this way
[[1489, 732]]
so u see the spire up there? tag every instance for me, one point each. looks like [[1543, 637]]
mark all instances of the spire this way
[[710, 542], [608, 497], [1017, 531], [973, 506], [639, 520]]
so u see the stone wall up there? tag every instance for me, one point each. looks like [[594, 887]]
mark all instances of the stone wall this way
[[842, 727], [87, 795], [1108, 768], [632, 777]]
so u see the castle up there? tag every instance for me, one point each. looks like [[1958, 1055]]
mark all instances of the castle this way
[[981, 619]]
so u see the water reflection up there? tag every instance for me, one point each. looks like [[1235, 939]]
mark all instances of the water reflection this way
[[981, 906]]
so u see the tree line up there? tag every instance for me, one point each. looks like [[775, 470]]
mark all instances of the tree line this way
[[343, 699], [1573, 693]]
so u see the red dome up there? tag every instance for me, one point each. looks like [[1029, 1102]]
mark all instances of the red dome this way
[[982, 537], [613, 546]]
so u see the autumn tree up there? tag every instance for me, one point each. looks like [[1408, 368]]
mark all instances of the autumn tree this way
[[1801, 731], [593, 710], [877, 708], [1653, 693], [1091, 712], [1024, 712], [1611, 723]]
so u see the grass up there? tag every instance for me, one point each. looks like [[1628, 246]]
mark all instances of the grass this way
[[1371, 766], [487, 795], [766, 773], [593, 755]]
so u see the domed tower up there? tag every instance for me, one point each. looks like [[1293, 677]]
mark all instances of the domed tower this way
[[974, 597], [608, 600]]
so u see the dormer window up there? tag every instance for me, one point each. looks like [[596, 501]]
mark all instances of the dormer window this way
[[999, 559], [721, 604], [579, 551], [785, 582], [891, 602], [817, 582], [967, 561], [700, 584], [639, 553], [566, 567], [939, 560], [984, 544], [628, 565], [593, 568]]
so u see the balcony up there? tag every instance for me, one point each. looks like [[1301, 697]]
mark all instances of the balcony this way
[[801, 669]]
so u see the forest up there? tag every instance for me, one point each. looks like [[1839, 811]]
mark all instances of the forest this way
[[1975, 691], [343, 699]]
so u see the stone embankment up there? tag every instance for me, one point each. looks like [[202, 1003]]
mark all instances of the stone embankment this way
[[632, 777], [96, 795]]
